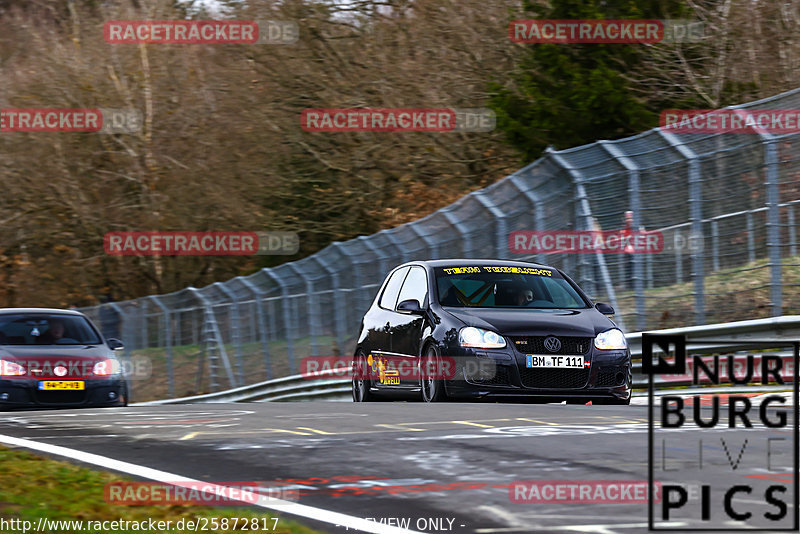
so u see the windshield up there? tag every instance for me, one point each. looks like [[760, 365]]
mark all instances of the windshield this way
[[483, 286], [46, 329]]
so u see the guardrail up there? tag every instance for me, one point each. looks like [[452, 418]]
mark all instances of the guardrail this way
[[298, 388]]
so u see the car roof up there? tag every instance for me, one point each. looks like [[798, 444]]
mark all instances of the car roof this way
[[461, 262], [6, 311]]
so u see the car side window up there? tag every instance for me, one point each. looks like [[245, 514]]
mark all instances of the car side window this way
[[415, 287], [392, 289]]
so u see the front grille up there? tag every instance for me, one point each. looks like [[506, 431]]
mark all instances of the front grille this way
[[500, 378], [607, 376], [535, 344], [60, 397], [554, 378]]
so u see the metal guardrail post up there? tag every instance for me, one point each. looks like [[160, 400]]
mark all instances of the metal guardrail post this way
[[634, 196], [287, 323], [774, 227], [467, 252], [258, 295], [126, 328], [715, 245], [340, 306], [587, 212], [383, 266], [362, 297], [501, 225], [751, 241], [236, 335], [433, 247], [143, 324], [772, 163], [167, 343], [209, 318], [538, 216], [313, 309], [696, 217]]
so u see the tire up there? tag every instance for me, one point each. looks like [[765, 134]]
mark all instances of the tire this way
[[432, 390], [361, 384]]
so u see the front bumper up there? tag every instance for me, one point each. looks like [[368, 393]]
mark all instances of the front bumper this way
[[609, 376], [25, 393]]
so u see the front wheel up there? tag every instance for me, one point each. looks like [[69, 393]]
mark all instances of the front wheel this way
[[432, 388], [361, 384]]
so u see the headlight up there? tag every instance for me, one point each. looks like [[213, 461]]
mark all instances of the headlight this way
[[612, 339], [11, 369], [480, 339], [107, 367]]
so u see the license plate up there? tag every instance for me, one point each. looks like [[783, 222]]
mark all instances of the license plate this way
[[61, 385], [569, 362]]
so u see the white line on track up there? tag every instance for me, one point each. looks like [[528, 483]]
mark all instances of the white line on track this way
[[302, 510]]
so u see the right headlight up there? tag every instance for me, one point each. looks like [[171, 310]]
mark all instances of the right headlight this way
[[478, 338], [8, 368], [612, 339]]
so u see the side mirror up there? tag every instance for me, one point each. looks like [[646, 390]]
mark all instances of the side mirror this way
[[410, 306], [114, 343], [604, 308]]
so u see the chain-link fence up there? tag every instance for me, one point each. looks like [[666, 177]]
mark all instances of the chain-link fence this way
[[725, 204]]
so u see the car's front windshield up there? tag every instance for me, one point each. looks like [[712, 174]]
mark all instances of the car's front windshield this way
[[46, 329], [493, 286]]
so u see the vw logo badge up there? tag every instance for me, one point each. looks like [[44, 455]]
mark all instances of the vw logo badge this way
[[552, 344], [60, 370]]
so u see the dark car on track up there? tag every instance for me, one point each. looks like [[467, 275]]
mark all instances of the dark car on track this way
[[467, 329], [57, 358]]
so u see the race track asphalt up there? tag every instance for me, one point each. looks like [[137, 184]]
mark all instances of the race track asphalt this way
[[439, 468]]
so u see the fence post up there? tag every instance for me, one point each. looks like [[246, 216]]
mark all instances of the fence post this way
[[751, 241], [501, 227], [210, 325], [126, 328], [792, 230], [460, 229], [313, 310], [236, 337], [340, 306], [634, 198], [167, 343], [538, 216], [774, 227], [715, 245], [287, 322], [772, 163], [577, 179], [696, 217], [258, 295]]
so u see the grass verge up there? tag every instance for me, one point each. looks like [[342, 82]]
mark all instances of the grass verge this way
[[32, 487]]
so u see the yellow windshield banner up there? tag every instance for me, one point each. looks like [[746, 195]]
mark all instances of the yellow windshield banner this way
[[497, 269]]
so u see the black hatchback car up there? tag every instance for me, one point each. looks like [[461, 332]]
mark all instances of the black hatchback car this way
[[466, 329], [57, 358]]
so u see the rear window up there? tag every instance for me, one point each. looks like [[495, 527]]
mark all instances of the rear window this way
[[491, 286], [46, 329]]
